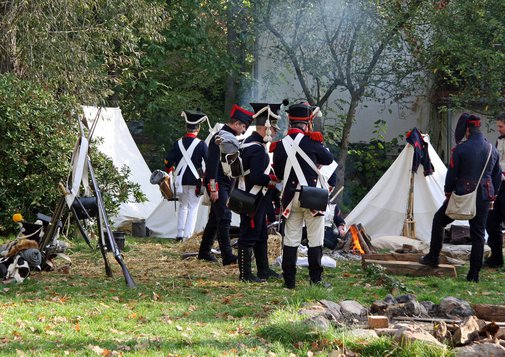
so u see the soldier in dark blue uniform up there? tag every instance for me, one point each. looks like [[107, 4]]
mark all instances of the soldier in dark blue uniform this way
[[467, 162], [218, 186], [496, 217], [188, 173], [258, 180], [300, 115]]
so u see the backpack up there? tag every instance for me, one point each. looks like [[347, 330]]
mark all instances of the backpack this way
[[229, 147]]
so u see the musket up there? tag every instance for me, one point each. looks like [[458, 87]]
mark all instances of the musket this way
[[101, 208]]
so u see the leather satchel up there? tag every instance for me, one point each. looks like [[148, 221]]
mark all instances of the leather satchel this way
[[464, 207], [242, 202], [314, 198]]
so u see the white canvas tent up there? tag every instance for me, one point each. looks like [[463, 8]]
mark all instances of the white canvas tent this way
[[383, 210], [117, 143]]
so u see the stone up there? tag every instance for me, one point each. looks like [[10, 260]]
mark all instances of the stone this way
[[455, 308], [363, 333], [333, 309], [414, 308], [319, 323], [353, 310], [403, 299], [389, 332], [389, 299], [429, 307], [312, 310], [379, 307], [480, 349], [467, 331], [375, 322], [409, 334]]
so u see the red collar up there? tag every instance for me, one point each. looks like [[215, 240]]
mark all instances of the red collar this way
[[190, 135], [295, 131]]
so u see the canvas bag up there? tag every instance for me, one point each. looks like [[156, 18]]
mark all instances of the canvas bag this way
[[463, 207]]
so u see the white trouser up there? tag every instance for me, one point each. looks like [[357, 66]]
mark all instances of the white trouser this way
[[294, 225], [188, 208]]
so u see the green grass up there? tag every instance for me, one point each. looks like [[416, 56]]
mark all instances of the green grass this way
[[196, 308]]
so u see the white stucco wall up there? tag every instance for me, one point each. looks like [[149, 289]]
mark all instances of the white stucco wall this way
[[274, 83]]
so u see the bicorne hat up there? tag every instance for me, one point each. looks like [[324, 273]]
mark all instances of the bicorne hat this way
[[265, 112], [465, 121], [193, 118]]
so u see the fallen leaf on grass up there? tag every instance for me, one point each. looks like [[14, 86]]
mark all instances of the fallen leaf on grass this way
[[167, 319], [155, 296]]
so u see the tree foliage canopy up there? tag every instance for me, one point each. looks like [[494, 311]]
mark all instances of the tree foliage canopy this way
[[81, 48], [463, 45]]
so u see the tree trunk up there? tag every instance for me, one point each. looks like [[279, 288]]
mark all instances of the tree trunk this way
[[235, 50], [9, 62], [344, 144]]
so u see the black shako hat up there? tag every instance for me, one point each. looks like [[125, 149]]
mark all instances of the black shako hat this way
[[264, 112], [302, 112], [241, 114], [193, 118], [465, 121]]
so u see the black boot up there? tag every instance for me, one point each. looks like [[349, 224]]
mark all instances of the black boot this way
[[244, 266], [495, 260], [261, 254], [206, 244], [429, 260], [289, 257], [223, 238], [437, 238], [475, 261], [314, 255]]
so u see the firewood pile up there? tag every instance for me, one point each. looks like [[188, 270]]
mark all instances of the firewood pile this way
[[469, 330]]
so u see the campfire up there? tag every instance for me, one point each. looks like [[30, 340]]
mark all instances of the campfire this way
[[357, 241]]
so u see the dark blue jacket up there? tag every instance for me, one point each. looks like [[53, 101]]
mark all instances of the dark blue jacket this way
[[467, 162], [255, 159], [316, 151], [214, 168], [199, 155]]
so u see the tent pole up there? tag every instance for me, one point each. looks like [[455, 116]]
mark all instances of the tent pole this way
[[409, 225]]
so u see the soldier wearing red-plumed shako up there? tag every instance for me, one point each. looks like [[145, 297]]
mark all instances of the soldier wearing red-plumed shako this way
[[218, 187]]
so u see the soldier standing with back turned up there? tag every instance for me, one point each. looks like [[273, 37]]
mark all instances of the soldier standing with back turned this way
[[300, 173]]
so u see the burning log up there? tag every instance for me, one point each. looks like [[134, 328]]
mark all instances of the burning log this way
[[356, 242], [366, 237]]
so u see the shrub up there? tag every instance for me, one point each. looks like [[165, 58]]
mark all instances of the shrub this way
[[38, 132]]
